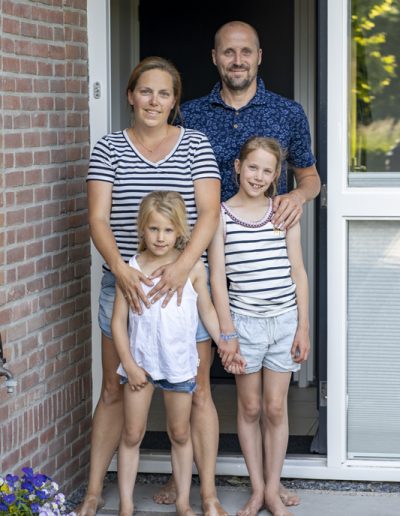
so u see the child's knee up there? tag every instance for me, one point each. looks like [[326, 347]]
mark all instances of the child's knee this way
[[250, 409], [179, 435], [275, 412], [132, 436]]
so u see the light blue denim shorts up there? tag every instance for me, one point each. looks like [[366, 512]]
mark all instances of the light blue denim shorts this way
[[188, 386], [106, 303], [267, 341]]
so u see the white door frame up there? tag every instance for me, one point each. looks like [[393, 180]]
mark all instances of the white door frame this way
[[344, 203], [99, 50]]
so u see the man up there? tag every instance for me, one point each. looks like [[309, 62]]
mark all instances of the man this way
[[238, 107]]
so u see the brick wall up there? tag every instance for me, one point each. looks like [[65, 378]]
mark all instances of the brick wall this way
[[45, 253]]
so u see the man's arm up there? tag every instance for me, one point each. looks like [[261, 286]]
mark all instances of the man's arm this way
[[288, 207]]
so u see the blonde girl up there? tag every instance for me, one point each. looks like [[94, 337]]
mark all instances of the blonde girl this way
[[158, 348], [264, 313]]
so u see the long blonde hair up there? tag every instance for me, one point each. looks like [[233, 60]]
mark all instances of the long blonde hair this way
[[269, 145], [172, 206]]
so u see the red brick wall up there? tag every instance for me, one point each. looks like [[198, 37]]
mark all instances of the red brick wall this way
[[44, 239]]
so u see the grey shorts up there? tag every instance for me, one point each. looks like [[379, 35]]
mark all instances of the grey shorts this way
[[267, 341], [106, 303]]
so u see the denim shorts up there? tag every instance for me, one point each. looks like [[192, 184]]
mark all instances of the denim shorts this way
[[188, 386], [106, 303], [267, 341]]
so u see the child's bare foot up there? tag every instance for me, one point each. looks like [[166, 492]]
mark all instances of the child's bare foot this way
[[289, 499], [126, 510], [253, 505], [275, 505], [167, 494], [185, 511], [212, 507], [90, 505]]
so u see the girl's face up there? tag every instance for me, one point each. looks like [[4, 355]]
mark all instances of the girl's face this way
[[153, 98], [257, 172], [159, 234]]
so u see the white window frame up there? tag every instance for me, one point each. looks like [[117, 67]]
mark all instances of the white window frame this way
[[345, 203]]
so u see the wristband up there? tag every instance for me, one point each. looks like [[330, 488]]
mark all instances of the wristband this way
[[229, 336]]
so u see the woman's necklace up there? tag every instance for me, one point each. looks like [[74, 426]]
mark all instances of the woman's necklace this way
[[135, 137]]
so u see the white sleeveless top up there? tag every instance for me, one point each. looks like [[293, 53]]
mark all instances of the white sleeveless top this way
[[163, 340]]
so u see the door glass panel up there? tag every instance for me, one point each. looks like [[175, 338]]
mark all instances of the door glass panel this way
[[373, 374], [374, 107]]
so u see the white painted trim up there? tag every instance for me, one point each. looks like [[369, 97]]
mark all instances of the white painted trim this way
[[345, 203], [99, 120], [304, 93], [294, 467], [336, 281]]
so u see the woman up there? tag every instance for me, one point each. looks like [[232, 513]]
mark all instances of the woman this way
[[125, 166]]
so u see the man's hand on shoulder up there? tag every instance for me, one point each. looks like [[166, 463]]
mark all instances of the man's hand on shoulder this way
[[288, 209]]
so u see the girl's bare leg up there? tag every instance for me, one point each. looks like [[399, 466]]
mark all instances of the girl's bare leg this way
[[205, 430], [178, 408], [249, 432], [275, 391], [106, 429], [136, 409]]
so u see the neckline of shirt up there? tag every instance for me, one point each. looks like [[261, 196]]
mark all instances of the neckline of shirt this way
[[250, 224], [148, 161]]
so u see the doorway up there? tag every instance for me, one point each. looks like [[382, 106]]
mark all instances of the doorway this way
[[287, 35]]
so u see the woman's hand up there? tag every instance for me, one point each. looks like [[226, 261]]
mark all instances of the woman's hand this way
[[172, 279], [130, 282]]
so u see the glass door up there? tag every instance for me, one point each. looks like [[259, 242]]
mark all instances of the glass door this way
[[363, 231]]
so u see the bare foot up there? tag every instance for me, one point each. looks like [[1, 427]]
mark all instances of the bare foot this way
[[167, 494], [275, 505], [185, 510], [253, 505], [126, 511], [289, 499], [212, 507], [90, 505]]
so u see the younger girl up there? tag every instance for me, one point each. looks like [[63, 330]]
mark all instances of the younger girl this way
[[265, 312], [158, 348]]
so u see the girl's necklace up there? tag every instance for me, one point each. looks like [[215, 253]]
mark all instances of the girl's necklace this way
[[135, 137]]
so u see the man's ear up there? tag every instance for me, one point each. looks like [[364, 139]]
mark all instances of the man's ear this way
[[213, 56], [259, 56]]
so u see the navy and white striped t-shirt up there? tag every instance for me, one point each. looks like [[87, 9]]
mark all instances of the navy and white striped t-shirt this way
[[257, 265], [116, 160]]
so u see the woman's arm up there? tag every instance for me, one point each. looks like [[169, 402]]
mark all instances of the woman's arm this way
[[301, 343], [119, 326], [174, 276], [209, 315], [129, 279]]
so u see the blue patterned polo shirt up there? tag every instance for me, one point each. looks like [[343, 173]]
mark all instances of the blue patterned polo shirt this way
[[267, 114]]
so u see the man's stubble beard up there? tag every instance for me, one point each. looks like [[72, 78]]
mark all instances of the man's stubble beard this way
[[238, 84]]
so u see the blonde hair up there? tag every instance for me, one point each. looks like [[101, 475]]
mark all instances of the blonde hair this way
[[269, 145], [172, 206], [158, 63]]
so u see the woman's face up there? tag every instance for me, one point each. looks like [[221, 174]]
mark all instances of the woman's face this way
[[153, 98]]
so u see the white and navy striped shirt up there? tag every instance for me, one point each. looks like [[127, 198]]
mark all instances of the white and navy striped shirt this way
[[116, 160], [257, 266]]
